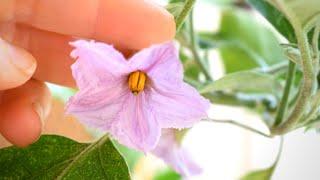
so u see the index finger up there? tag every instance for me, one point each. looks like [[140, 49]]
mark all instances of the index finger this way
[[112, 21]]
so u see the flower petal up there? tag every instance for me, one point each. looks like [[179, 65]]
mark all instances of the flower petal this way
[[159, 62], [177, 105], [136, 125], [97, 64], [100, 72], [99, 107], [174, 155]]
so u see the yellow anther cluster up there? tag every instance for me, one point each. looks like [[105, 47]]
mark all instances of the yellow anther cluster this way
[[137, 81]]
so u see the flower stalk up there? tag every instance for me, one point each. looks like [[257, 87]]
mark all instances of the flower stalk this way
[[285, 97], [241, 126], [188, 5], [194, 49]]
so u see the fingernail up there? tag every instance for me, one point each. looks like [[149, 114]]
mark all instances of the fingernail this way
[[39, 110], [18, 57]]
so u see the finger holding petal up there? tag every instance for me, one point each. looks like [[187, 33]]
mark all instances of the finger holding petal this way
[[177, 105], [136, 125]]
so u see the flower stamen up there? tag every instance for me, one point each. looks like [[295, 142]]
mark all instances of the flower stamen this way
[[137, 81]]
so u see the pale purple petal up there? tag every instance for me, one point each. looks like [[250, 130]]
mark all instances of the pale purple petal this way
[[100, 107], [170, 151], [159, 62], [177, 105], [136, 124], [97, 64], [100, 72]]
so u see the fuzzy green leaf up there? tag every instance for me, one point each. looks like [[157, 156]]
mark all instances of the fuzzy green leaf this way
[[245, 81], [55, 157]]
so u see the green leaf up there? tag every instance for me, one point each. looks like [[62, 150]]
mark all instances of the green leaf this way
[[131, 156], [245, 81], [175, 8], [264, 174], [307, 12], [55, 157], [276, 18], [245, 43], [236, 58]]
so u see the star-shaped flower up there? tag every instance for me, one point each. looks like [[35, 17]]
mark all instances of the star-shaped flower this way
[[133, 99]]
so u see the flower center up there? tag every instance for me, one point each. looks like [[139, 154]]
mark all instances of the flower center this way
[[137, 81]]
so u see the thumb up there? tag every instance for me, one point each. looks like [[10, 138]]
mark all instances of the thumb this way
[[16, 66]]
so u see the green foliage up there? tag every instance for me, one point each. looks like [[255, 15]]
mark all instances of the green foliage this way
[[276, 18], [306, 11], [246, 82], [240, 27], [167, 174], [55, 157], [175, 8], [264, 174], [237, 58], [131, 156], [243, 42]]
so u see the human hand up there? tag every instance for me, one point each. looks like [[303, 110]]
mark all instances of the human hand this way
[[34, 48]]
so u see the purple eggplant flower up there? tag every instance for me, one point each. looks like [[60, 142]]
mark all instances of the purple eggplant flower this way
[[133, 99]]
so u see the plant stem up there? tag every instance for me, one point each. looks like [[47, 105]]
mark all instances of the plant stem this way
[[314, 108], [240, 125], [307, 69], [194, 49], [284, 100], [315, 45], [188, 5]]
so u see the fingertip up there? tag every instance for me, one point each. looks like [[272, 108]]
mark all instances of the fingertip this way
[[22, 111], [16, 66], [20, 124], [134, 24]]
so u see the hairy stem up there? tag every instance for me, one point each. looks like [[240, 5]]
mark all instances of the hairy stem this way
[[188, 5], [240, 125], [315, 45], [307, 69], [285, 97]]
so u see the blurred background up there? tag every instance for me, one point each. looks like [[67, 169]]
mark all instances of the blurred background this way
[[232, 37]]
